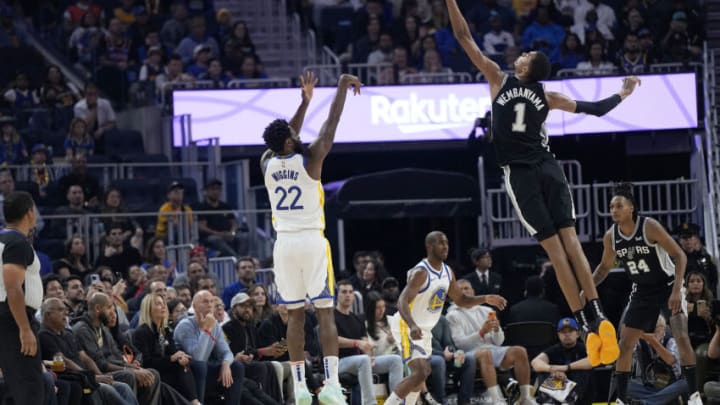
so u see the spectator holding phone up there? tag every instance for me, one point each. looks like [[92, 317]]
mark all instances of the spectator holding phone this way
[[700, 309]]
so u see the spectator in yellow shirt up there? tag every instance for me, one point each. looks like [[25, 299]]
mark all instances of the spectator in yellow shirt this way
[[175, 205]]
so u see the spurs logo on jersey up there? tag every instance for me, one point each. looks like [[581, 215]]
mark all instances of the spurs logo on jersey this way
[[646, 263], [428, 304], [518, 122], [296, 198]]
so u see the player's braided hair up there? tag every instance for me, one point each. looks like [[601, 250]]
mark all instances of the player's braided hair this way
[[625, 190], [275, 135], [540, 67]]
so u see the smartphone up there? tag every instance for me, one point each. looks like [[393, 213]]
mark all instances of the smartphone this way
[[701, 305], [94, 278], [492, 316]]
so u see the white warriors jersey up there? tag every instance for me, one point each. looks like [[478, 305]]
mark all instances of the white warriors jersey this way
[[428, 304], [296, 198]]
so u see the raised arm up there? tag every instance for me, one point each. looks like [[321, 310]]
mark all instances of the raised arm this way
[[462, 300], [560, 101], [308, 81], [607, 262], [489, 69], [321, 146]]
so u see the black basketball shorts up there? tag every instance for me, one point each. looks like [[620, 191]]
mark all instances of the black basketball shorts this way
[[646, 304], [541, 196]]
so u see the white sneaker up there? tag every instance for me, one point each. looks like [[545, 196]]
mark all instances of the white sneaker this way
[[695, 399], [619, 402]]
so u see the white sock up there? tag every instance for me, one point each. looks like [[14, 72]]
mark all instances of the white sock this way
[[411, 398], [526, 391], [298, 370], [495, 393], [393, 399], [331, 369]]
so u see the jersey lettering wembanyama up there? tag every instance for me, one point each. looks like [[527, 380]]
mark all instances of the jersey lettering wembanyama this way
[[646, 263], [296, 198], [519, 112]]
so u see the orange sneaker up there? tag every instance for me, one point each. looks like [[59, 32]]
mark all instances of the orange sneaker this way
[[593, 345], [609, 350]]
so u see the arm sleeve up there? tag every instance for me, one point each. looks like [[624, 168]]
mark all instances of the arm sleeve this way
[[598, 108], [199, 349]]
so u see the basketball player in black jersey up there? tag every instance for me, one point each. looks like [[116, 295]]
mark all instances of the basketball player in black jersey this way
[[645, 249], [535, 181]]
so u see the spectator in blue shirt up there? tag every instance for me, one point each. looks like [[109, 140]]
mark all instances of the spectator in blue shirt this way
[[245, 271], [569, 54], [201, 56], [198, 36], [543, 34], [201, 337]]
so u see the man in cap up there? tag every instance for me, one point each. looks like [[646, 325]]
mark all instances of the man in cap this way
[[566, 360], [201, 56], [698, 258], [170, 212], [482, 280], [220, 231], [242, 336]]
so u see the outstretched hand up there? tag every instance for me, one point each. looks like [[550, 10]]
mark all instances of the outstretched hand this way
[[308, 81], [628, 86], [351, 81], [496, 301]]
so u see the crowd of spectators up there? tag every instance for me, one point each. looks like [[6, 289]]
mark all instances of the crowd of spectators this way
[[597, 37], [146, 331]]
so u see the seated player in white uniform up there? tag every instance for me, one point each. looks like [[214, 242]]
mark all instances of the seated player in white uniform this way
[[430, 282]]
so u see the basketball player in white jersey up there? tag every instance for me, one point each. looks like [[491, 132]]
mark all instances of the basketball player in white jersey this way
[[420, 305], [303, 267]]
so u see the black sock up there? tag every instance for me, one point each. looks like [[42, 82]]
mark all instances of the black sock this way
[[689, 373], [581, 320], [621, 385], [597, 309]]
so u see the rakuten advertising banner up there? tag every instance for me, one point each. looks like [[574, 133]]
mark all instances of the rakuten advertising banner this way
[[430, 112]]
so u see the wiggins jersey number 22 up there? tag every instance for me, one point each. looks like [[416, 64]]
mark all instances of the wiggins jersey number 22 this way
[[293, 192]]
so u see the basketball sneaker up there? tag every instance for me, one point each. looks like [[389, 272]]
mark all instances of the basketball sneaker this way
[[695, 399], [303, 396], [593, 346], [331, 394], [609, 350]]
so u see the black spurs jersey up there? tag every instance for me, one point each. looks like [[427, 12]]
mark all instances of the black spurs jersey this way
[[647, 264], [518, 122]]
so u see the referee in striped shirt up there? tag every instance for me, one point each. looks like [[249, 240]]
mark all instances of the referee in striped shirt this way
[[21, 293]]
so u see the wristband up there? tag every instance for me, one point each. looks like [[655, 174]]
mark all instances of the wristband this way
[[210, 334], [261, 352], [569, 368]]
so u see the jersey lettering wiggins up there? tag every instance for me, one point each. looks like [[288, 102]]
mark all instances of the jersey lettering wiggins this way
[[296, 198]]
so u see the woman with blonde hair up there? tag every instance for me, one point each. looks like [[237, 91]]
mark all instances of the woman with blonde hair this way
[[155, 341]]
